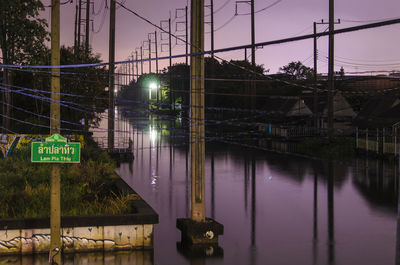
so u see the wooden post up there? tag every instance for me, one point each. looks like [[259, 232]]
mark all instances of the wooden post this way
[[366, 140], [55, 211]]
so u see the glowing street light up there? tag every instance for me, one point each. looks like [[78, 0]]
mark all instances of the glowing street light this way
[[153, 85]]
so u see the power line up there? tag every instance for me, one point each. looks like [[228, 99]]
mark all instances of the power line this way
[[263, 9]]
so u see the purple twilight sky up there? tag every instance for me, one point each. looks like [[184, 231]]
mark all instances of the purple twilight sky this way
[[367, 50]]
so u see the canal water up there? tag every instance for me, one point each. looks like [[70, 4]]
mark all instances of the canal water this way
[[275, 208]]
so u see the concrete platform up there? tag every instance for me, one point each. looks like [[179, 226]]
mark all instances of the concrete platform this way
[[83, 233]]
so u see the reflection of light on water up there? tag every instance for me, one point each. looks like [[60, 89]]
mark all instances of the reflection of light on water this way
[[153, 180], [153, 135]]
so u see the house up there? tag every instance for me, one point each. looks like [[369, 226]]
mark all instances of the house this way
[[379, 112], [280, 109], [279, 112], [343, 113]]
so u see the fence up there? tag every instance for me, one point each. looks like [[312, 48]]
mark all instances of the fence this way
[[378, 141], [291, 132]]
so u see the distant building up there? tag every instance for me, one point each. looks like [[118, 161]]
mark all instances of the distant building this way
[[343, 112], [379, 112], [280, 109]]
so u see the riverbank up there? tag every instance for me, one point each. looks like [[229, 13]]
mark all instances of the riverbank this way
[[87, 188]]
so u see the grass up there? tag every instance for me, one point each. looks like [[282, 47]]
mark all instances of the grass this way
[[336, 148], [87, 188]]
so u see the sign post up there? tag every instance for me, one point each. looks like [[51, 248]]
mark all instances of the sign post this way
[[55, 149]]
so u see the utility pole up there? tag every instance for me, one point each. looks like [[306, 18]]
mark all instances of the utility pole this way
[[55, 211], [171, 93], [187, 34], [137, 66], [141, 60], [133, 67], [253, 36], [76, 28], [156, 49], [315, 103], [79, 23], [212, 28], [111, 59], [210, 84], [198, 229], [149, 37], [252, 87], [197, 112], [331, 60], [87, 26]]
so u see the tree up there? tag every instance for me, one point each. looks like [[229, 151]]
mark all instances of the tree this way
[[83, 94], [23, 39], [297, 71]]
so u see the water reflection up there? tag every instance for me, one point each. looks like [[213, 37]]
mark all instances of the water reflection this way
[[276, 209], [95, 258], [331, 214]]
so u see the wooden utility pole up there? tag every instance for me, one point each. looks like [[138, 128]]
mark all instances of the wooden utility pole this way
[[55, 211], [197, 112], [111, 58], [87, 26], [331, 60]]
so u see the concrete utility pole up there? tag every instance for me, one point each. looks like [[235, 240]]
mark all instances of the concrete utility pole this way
[[55, 211], [197, 112], [76, 28], [331, 60], [87, 26], [149, 37], [253, 29], [111, 68], [156, 49], [315, 107], [137, 65], [198, 230], [212, 27], [79, 23], [187, 34], [253, 36], [141, 59], [251, 101], [171, 93], [210, 84]]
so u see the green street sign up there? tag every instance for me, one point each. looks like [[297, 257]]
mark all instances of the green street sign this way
[[55, 149]]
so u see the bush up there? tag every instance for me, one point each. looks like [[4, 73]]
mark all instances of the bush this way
[[87, 188]]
